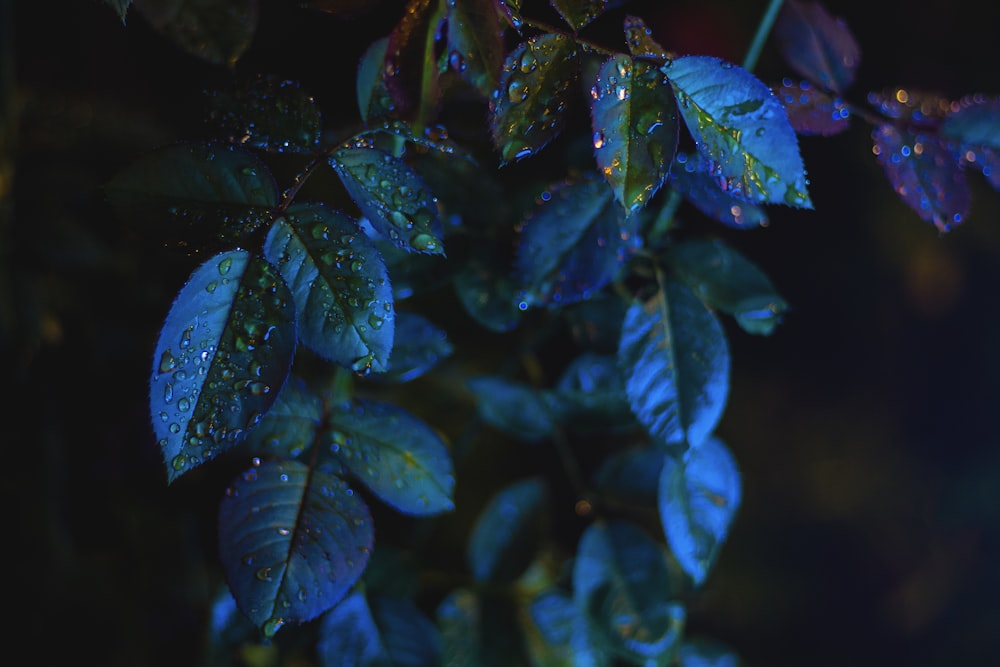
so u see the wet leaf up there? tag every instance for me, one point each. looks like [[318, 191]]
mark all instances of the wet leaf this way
[[420, 346], [510, 10], [374, 100], [640, 40], [475, 43], [811, 111], [392, 196], [507, 533], [817, 45], [741, 129], [512, 407], [397, 456], [689, 176], [527, 108], [342, 293], [406, 77], [289, 427], [698, 500], [675, 360], [292, 541], [221, 359], [578, 13], [267, 113], [218, 31]]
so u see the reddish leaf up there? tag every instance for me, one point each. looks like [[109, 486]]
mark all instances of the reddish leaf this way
[[811, 111], [817, 45]]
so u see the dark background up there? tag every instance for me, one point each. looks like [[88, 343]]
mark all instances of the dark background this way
[[864, 427]]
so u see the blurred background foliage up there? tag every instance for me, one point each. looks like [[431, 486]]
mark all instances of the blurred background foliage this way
[[865, 427]]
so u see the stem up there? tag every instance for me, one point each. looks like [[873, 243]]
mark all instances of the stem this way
[[763, 30]]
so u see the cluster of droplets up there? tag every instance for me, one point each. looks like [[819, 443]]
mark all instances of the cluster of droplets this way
[[268, 113]]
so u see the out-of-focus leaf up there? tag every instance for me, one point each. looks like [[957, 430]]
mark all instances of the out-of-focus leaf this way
[[507, 533], [689, 176], [589, 396], [510, 10], [634, 119], [181, 188], [419, 347], [218, 31], [974, 125], [698, 499], [229, 628], [290, 426], [458, 619], [348, 9], [817, 45], [924, 173], [348, 636], [578, 13], [675, 360], [727, 281], [221, 359], [916, 107], [268, 113], [342, 294], [741, 129], [640, 40], [120, 7], [573, 244], [292, 541], [392, 196], [514, 408], [527, 108], [811, 111], [556, 633], [488, 292], [400, 458], [405, 70], [374, 100], [621, 585], [411, 639], [475, 43], [393, 571], [700, 652], [631, 476]]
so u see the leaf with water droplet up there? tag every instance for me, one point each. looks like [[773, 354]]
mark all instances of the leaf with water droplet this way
[[189, 189], [728, 282], [507, 533], [343, 297], [399, 457], [420, 346], [574, 244], [622, 586], [701, 652], [475, 43], [589, 396], [812, 111], [216, 31], [512, 407], [689, 176], [634, 119], [406, 78], [817, 45], [392, 196], [374, 100], [289, 427], [675, 359], [528, 107], [698, 499], [974, 125], [640, 40], [268, 113], [578, 13], [741, 129], [925, 174], [292, 542], [221, 358]]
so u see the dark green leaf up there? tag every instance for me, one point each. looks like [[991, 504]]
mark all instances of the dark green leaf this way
[[488, 293], [527, 108], [578, 13], [374, 100], [706, 653], [589, 396], [511, 10], [290, 426], [698, 499], [221, 358], [817, 45], [475, 43], [507, 533], [120, 7], [729, 282], [407, 77], [292, 542], [268, 113], [741, 129], [458, 619], [556, 633], [392, 196], [218, 31], [634, 118], [689, 177], [411, 639], [420, 346], [400, 458], [675, 360], [975, 121], [341, 289], [348, 636], [640, 40], [631, 476], [512, 407]]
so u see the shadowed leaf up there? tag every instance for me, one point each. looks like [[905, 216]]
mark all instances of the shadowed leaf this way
[[631, 476], [817, 45], [974, 125], [640, 40], [218, 31], [689, 176], [512, 407], [419, 347], [475, 43], [699, 652], [289, 427], [120, 7], [507, 533], [374, 100], [811, 111], [589, 396], [405, 70], [268, 113], [578, 13]]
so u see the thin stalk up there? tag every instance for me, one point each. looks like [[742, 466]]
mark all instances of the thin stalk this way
[[760, 37]]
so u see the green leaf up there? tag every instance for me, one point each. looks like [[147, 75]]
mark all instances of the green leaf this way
[[578, 13], [374, 100], [527, 108], [729, 282], [120, 7], [342, 294], [290, 426], [621, 585], [475, 43], [507, 533], [640, 40], [292, 541], [458, 619], [675, 360], [407, 77], [221, 359], [392, 196], [218, 31], [512, 407], [194, 187], [634, 119], [698, 498], [741, 129], [397, 456], [268, 113]]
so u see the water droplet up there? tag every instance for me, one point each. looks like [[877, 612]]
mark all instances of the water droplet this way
[[517, 91], [424, 243]]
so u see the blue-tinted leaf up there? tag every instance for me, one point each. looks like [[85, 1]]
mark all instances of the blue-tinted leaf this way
[[218, 31], [729, 282], [811, 111], [974, 125], [924, 173], [506, 535], [489, 294], [675, 359], [578, 13], [392, 196], [741, 129], [573, 244], [512, 407], [510, 10], [919, 108], [221, 358], [706, 653], [634, 119], [292, 542], [640, 40], [689, 176], [348, 636], [290, 426], [589, 396], [342, 294], [268, 113], [556, 634], [698, 499], [406, 76], [374, 100], [400, 458], [622, 587], [475, 43], [631, 476], [184, 186], [420, 346], [458, 619], [527, 108], [411, 639], [120, 7], [817, 45], [393, 571]]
